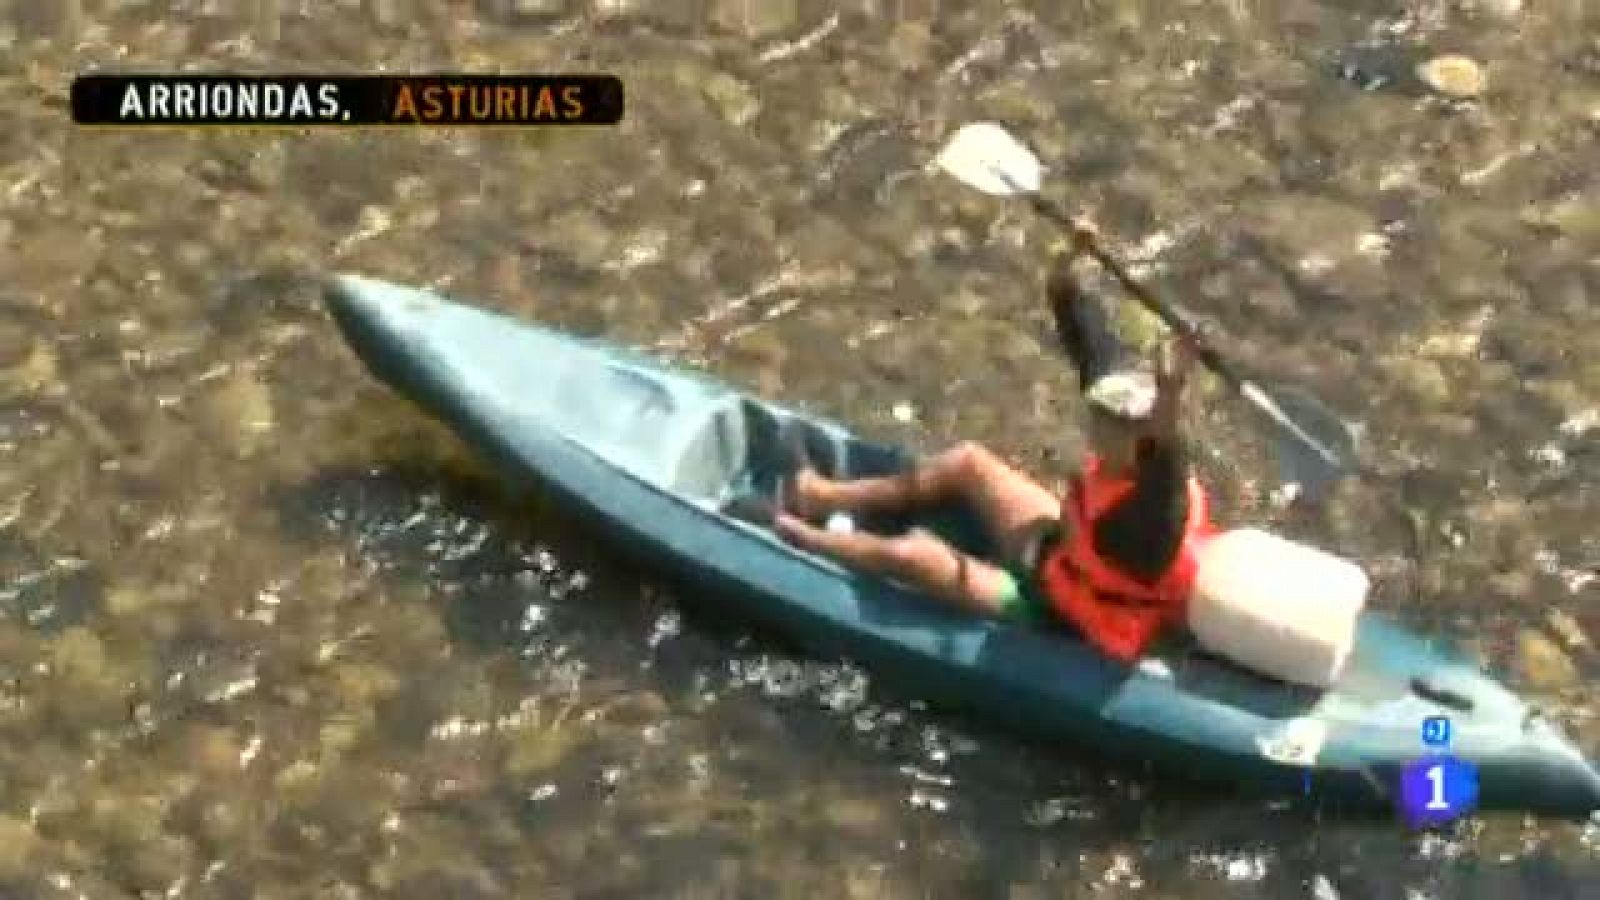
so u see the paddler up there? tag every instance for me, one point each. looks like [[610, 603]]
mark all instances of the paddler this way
[[1114, 558]]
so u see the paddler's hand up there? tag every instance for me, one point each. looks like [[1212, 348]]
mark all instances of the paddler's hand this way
[[1174, 364], [1085, 235], [1174, 361]]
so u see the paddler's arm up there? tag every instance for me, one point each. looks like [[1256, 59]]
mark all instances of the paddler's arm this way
[[1082, 325], [1144, 532]]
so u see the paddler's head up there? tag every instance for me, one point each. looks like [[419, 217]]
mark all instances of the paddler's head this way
[[1120, 406]]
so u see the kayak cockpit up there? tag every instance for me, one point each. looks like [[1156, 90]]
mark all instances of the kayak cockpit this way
[[706, 446]]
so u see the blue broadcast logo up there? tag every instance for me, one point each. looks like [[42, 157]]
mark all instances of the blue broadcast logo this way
[[1436, 731], [1439, 788]]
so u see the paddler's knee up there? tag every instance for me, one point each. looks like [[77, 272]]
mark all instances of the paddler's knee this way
[[916, 551], [970, 458], [903, 551]]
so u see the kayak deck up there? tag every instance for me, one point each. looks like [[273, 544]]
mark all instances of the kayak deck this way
[[651, 452]]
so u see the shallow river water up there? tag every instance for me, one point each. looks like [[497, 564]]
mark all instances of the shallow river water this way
[[265, 631]]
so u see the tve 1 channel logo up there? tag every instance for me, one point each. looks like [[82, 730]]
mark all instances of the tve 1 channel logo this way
[[1437, 788]]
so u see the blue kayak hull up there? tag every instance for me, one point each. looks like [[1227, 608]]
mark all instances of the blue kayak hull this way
[[648, 452]]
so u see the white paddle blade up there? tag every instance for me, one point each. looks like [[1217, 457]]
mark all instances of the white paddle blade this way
[[985, 156]]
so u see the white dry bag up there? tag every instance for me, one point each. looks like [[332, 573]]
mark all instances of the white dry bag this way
[[1276, 606]]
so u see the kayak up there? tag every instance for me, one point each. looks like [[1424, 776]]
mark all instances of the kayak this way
[[649, 453]]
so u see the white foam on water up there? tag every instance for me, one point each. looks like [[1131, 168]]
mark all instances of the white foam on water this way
[[1435, 846], [1250, 868], [1122, 872], [666, 626], [925, 777], [1242, 867], [1590, 836], [929, 800]]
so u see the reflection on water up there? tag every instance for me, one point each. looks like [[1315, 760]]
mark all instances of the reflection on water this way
[[265, 630]]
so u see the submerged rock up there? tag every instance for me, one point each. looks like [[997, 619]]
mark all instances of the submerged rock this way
[[863, 160], [614, 9], [538, 9], [155, 862], [734, 100], [297, 780], [1541, 664], [16, 340], [910, 45], [539, 749], [1424, 379], [140, 600], [240, 413], [1505, 9], [1303, 234], [1515, 582], [755, 18], [215, 749], [580, 236], [1576, 216], [78, 658], [1454, 75], [851, 813], [361, 684], [1568, 629], [18, 845], [34, 372]]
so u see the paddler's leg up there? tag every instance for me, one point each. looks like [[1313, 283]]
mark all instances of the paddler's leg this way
[[1009, 503], [918, 559]]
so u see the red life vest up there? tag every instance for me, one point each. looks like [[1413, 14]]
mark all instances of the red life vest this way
[[1116, 612]]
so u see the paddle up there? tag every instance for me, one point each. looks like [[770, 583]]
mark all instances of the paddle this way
[[985, 156]]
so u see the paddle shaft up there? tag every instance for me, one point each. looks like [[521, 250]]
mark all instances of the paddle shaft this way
[[1207, 353], [1203, 349]]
